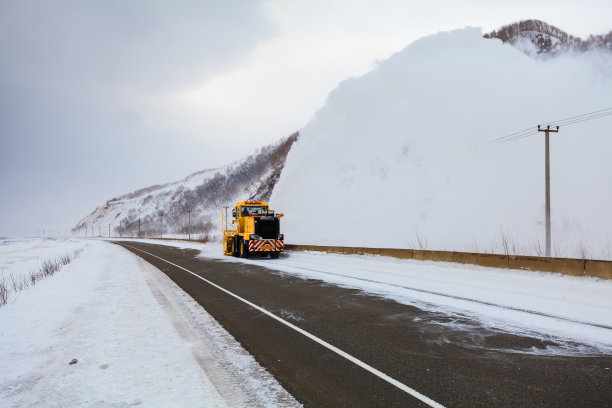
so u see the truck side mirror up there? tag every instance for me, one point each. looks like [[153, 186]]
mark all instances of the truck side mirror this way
[[234, 213]]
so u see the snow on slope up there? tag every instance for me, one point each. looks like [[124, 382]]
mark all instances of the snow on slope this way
[[402, 157], [137, 337], [164, 209]]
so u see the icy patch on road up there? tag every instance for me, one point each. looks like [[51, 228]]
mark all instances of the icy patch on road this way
[[488, 338], [290, 315]]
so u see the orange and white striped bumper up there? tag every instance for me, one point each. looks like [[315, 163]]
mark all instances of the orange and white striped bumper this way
[[266, 245]]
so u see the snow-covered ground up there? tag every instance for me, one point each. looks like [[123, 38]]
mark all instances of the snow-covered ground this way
[[137, 338], [140, 340], [574, 313]]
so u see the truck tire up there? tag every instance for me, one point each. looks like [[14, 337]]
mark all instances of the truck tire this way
[[235, 247], [244, 249], [274, 255]]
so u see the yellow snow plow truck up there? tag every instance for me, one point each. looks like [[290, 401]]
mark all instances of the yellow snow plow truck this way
[[254, 230]]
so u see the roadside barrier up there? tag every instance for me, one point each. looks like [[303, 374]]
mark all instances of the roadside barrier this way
[[568, 266]]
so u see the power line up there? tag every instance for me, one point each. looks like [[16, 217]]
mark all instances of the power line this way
[[513, 134], [534, 132], [531, 131], [604, 112], [583, 120], [562, 122]]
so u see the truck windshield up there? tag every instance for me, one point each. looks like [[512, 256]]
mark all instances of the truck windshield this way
[[248, 210]]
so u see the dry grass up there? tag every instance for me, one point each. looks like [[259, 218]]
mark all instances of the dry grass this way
[[4, 294], [505, 244], [48, 268], [583, 252], [422, 242]]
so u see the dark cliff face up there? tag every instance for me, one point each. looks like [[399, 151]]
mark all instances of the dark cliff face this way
[[548, 40], [252, 178]]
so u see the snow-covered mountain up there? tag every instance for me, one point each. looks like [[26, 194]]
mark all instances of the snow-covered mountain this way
[[536, 37], [193, 204], [405, 156]]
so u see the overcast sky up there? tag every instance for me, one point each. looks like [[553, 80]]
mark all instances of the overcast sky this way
[[99, 98]]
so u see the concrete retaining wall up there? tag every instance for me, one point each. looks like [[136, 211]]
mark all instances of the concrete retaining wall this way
[[568, 266]]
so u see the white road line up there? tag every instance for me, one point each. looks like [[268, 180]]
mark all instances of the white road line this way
[[325, 344]]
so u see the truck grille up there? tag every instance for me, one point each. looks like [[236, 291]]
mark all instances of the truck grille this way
[[267, 227]]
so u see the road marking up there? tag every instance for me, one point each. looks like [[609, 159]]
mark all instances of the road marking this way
[[322, 342]]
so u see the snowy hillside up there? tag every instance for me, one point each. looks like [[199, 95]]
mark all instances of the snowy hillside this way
[[536, 37], [404, 156], [164, 209]]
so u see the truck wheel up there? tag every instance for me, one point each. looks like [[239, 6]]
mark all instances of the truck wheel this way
[[244, 249], [274, 255], [235, 247]]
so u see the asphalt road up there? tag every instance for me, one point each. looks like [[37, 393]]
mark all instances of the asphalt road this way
[[454, 361]]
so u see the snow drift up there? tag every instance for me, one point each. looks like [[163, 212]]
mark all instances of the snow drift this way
[[403, 156]]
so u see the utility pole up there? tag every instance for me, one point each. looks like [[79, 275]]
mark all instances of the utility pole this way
[[547, 177], [100, 231], [161, 225], [138, 228], [109, 230], [189, 225], [226, 223]]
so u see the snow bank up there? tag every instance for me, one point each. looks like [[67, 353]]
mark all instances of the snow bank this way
[[137, 338], [401, 157]]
